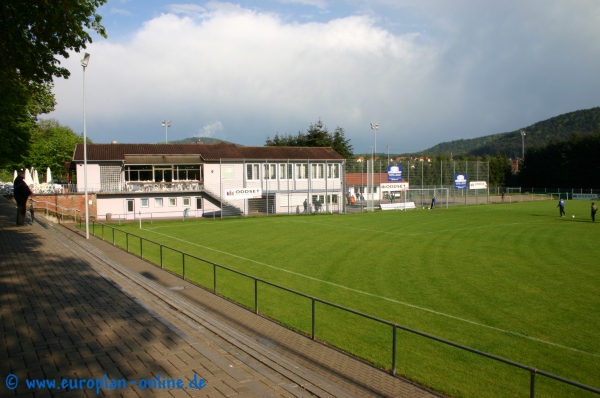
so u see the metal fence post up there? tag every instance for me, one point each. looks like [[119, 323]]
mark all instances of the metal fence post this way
[[255, 296], [394, 350], [532, 383], [215, 278], [312, 336]]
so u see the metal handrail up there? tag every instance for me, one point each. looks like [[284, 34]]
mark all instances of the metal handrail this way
[[533, 371], [57, 207]]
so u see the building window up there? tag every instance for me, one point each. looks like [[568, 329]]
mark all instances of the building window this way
[[285, 171], [270, 172], [138, 173], [317, 171], [172, 202], [301, 171], [158, 202], [144, 202], [187, 172], [130, 205], [227, 172], [252, 172], [333, 171], [199, 203], [186, 201]]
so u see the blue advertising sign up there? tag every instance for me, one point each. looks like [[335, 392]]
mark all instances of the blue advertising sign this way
[[460, 181], [394, 173]]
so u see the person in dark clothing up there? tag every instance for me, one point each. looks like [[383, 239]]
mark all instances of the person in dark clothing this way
[[22, 193], [433, 200], [594, 210], [561, 206]]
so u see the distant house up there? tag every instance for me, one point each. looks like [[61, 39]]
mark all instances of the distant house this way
[[169, 180], [514, 165]]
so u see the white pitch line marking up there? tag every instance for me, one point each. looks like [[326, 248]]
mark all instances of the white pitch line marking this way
[[386, 298], [421, 233]]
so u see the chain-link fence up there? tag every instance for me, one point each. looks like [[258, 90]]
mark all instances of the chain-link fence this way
[[424, 179], [273, 187]]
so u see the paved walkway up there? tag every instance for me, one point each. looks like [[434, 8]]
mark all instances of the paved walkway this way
[[88, 314]]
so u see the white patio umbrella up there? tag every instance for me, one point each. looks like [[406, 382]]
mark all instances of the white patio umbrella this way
[[36, 177], [28, 179], [48, 175], [15, 175]]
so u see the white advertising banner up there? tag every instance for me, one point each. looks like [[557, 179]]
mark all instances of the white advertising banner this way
[[394, 186], [243, 193], [478, 185], [585, 196]]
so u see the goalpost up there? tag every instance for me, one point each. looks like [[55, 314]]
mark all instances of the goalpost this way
[[422, 196], [415, 198]]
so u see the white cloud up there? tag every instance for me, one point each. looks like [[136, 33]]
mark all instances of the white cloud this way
[[210, 130], [469, 70], [187, 9], [120, 11], [316, 3]]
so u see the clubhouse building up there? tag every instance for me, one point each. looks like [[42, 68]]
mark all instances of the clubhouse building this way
[[128, 181]]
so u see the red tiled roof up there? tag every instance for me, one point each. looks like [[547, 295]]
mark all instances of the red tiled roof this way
[[209, 152]]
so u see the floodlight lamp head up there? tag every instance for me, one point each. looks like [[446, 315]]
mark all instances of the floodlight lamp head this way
[[163, 123], [85, 59]]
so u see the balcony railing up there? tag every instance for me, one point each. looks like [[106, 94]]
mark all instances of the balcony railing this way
[[129, 186], [151, 186]]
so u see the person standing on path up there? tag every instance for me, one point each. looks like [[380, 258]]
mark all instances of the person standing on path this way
[[594, 210], [22, 193], [561, 206]]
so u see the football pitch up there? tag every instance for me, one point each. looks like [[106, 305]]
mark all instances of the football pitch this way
[[512, 280]]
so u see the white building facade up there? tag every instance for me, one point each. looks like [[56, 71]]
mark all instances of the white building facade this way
[[209, 180]]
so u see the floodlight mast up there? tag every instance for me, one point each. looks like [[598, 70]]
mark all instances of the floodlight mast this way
[[85, 59], [166, 125], [523, 144], [375, 127]]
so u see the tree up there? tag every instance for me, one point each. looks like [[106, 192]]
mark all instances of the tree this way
[[51, 146], [317, 135], [19, 106], [499, 170], [340, 144], [32, 34]]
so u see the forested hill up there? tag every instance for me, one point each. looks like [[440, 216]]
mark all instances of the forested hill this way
[[558, 128]]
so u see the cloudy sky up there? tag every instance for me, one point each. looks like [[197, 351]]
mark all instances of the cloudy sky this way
[[426, 71]]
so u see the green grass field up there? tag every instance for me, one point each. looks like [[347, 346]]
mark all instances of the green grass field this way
[[513, 280]]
